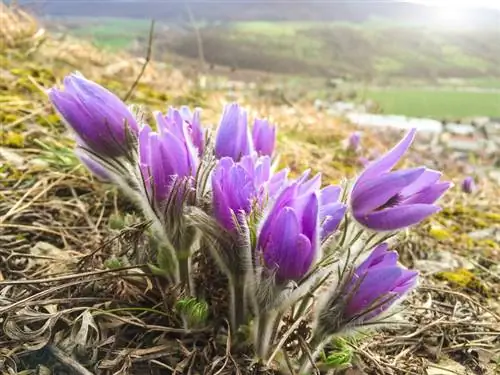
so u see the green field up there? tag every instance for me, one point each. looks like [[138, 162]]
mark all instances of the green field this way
[[435, 103], [111, 33]]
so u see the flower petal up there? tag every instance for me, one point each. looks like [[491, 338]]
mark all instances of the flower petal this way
[[376, 192], [389, 160], [398, 217], [429, 177], [330, 194], [429, 194], [373, 288]]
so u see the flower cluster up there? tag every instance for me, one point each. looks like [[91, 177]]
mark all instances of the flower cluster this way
[[289, 246]]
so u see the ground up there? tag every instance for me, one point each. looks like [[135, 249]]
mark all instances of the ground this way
[[74, 289]]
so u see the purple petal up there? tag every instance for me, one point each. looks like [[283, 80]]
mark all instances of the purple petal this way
[[429, 194], [277, 182], [406, 282], [389, 160], [264, 137], [373, 288], [397, 217], [332, 220], [310, 219], [233, 137], [287, 249], [377, 191], [307, 187], [93, 166], [379, 257], [429, 177], [330, 194]]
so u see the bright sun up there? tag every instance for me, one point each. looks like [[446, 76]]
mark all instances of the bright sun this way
[[454, 13], [461, 3]]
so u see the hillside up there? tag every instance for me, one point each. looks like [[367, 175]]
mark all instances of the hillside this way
[[255, 10], [365, 52]]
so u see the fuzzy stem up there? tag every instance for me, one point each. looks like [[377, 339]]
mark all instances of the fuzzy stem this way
[[265, 325], [185, 279], [238, 303], [317, 345]]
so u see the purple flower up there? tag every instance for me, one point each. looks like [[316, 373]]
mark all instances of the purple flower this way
[[376, 285], [289, 236], [468, 185], [264, 137], [93, 166], [331, 210], [353, 142], [98, 117], [196, 131], [164, 157], [233, 138], [385, 200], [238, 186]]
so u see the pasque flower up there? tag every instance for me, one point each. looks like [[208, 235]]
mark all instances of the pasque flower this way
[[376, 285], [238, 186], [264, 137], [289, 236], [101, 121], [166, 156], [353, 141], [331, 210], [468, 185], [233, 137], [385, 200], [195, 128]]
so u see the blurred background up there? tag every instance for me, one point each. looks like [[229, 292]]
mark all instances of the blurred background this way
[[436, 59]]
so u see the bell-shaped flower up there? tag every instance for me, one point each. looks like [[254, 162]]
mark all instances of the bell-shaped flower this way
[[233, 137], [331, 210], [100, 120], [165, 157], [238, 186], [195, 128], [289, 236], [264, 137], [468, 185], [385, 200], [376, 284]]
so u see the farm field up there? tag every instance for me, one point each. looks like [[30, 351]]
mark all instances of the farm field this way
[[437, 103]]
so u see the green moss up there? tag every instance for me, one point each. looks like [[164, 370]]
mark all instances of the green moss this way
[[12, 139], [439, 233], [463, 278]]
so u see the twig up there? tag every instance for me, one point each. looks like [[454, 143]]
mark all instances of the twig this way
[[146, 62], [68, 361], [199, 40]]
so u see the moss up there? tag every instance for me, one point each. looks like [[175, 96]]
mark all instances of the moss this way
[[463, 278], [439, 233], [12, 139]]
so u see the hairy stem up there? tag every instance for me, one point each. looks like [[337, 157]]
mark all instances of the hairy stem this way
[[238, 302], [317, 346], [185, 279], [265, 325]]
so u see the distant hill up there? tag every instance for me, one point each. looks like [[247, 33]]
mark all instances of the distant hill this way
[[253, 10], [364, 52]]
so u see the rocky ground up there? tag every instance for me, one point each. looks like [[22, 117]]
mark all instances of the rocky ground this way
[[68, 299]]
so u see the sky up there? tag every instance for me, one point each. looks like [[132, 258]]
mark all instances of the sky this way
[[461, 3]]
